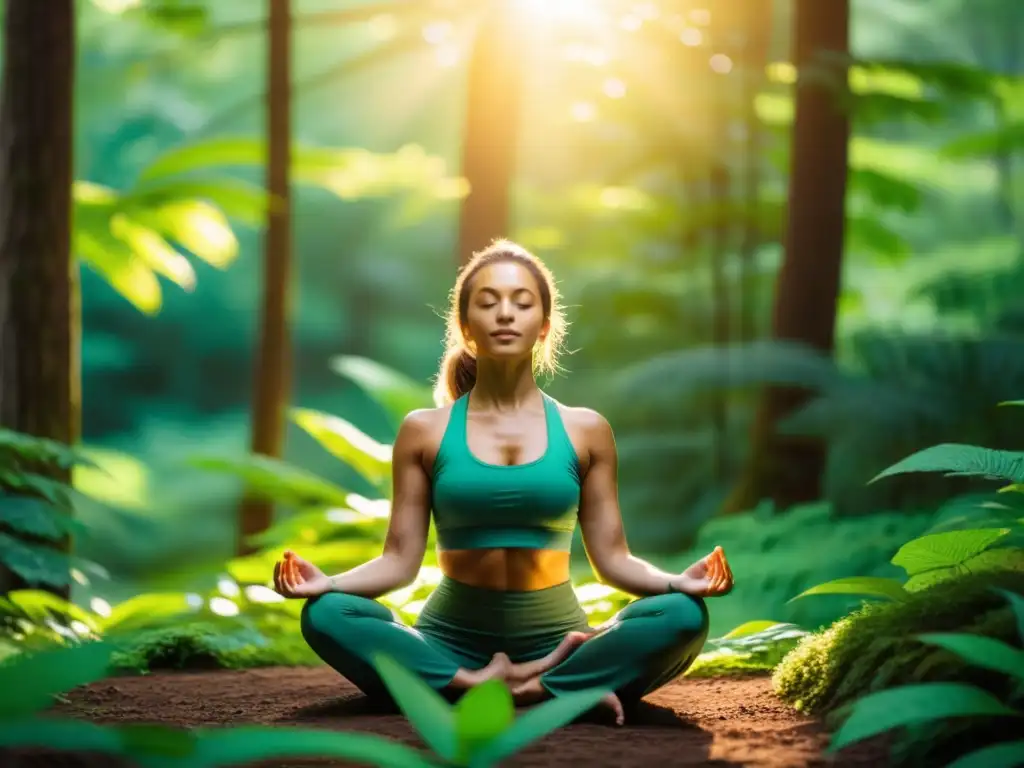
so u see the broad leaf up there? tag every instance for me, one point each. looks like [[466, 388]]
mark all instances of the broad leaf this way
[[396, 393], [71, 735], [1009, 754], [981, 651], [428, 712], [879, 712], [481, 715], [36, 564], [868, 586], [945, 550], [216, 747], [958, 459], [35, 679], [537, 723], [1017, 604], [36, 517], [750, 628], [357, 449], [144, 610], [275, 479]]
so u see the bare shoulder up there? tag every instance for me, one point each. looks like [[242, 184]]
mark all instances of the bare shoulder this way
[[589, 425], [424, 422], [422, 430]]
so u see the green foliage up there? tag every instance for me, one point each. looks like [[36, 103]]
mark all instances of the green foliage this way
[[481, 730], [917, 642], [36, 509], [935, 703]]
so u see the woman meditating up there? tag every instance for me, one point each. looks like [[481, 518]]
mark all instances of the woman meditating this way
[[506, 471]]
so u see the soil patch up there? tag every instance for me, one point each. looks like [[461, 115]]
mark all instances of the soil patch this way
[[693, 722]]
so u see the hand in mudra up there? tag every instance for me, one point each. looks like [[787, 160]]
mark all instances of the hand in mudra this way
[[297, 577], [710, 576]]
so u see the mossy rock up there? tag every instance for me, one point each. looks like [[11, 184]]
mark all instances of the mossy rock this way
[[874, 647]]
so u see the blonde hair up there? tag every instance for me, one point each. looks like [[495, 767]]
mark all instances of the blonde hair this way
[[457, 373]]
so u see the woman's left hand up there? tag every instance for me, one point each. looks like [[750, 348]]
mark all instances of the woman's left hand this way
[[710, 576]]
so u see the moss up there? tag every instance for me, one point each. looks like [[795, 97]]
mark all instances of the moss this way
[[202, 646], [875, 647]]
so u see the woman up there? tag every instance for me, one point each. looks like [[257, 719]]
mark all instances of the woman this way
[[507, 472]]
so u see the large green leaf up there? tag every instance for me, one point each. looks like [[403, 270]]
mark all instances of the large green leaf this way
[[958, 459], [354, 447], [276, 480], [40, 606], [71, 735], [981, 651], [1009, 754], [36, 517], [1001, 559], [868, 586], [144, 610], [36, 564], [241, 200], [396, 393], [945, 550], [481, 715], [1017, 605], [879, 712], [535, 724], [428, 712], [31, 681], [750, 628]]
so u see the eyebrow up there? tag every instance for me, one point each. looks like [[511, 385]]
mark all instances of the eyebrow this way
[[495, 293]]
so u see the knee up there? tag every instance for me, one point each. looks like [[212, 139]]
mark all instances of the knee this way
[[325, 614], [686, 617]]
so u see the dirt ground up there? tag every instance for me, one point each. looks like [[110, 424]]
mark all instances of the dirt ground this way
[[718, 722]]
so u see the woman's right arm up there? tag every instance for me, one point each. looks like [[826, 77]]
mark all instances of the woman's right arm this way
[[406, 540]]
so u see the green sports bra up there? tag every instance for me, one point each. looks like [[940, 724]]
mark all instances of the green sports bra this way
[[477, 505]]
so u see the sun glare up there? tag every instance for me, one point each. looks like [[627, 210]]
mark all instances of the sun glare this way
[[561, 11]]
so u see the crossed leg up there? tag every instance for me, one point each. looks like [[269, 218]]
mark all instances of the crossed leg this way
[[649, 643]]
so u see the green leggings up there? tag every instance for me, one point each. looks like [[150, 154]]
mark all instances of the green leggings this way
[[649, 643]]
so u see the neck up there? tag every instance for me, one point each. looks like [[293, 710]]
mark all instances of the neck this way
[[504, 384]]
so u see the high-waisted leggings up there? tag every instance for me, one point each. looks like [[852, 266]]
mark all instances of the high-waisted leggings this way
[[649, 643]]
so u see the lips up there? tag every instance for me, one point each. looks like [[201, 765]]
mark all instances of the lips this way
[[505, 335]]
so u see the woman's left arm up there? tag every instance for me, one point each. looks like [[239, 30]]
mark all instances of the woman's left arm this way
[[601, 519]]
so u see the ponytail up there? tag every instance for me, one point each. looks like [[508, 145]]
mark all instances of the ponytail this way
[[456, 376]]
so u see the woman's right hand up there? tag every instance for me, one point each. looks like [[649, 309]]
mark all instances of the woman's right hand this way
[[296, 577]]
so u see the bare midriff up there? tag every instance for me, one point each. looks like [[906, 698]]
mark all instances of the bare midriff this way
[[515, 570]]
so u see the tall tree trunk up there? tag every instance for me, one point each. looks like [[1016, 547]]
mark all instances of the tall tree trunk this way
[[491, 128], [274, 358], [788, 469], [39, 319]]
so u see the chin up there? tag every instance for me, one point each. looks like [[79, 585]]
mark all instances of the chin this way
[[516, 350]]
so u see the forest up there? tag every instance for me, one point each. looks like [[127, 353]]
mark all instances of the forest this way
[[790, 239]]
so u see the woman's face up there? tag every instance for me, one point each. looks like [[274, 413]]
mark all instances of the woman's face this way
[[505, 317]]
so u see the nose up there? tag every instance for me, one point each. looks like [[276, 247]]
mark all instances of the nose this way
[[505, 312]]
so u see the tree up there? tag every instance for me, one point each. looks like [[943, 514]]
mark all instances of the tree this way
[[491, 128], [273, 366], [39, 330], [787, 468]]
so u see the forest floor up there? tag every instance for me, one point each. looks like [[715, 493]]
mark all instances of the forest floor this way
[[732, 721]]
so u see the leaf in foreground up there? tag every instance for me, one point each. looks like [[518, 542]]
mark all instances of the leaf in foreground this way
[[31, 681], [426, 709], [879, 712], [537, 723], [868, 586]]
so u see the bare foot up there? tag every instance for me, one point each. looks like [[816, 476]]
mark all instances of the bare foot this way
[[498, 668], [524, 671], [532, 692]]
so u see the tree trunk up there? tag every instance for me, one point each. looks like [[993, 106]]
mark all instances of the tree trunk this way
[[788, 469], [39, 320], [491, 128], [274, 359]]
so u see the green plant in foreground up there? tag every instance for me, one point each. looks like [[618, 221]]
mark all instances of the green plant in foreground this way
[[481, 729], [916, 704]]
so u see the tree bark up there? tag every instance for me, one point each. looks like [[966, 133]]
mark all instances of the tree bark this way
[[39, 320], [788, 469], [491, 128], [274, 356]]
